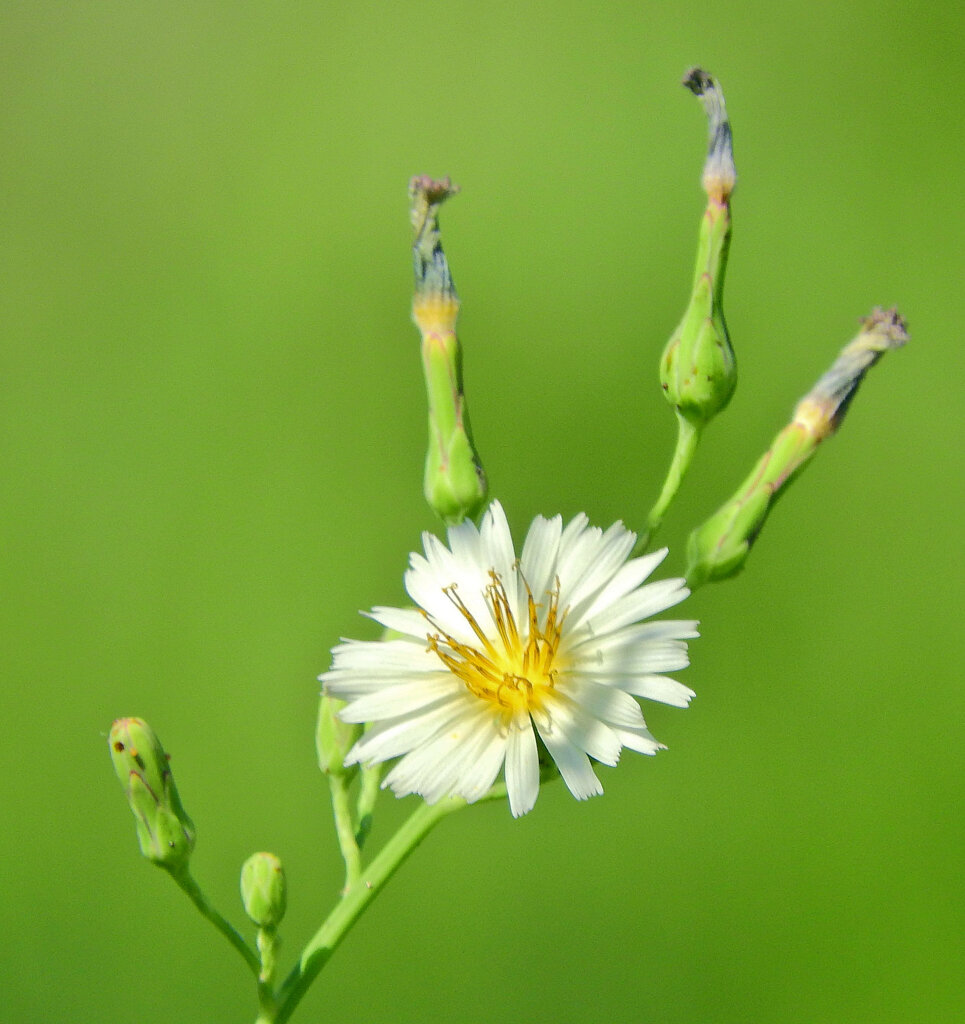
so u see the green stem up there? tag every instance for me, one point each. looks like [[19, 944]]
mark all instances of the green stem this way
[[345, 828], [368, 794], [267, 1005], [688, 435], [356, 899], [198, 898]]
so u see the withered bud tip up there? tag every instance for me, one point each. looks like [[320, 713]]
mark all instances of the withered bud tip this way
[[889, 323], [426, 195], [881, 331], [720, 174], [434, 190], [697, 81]]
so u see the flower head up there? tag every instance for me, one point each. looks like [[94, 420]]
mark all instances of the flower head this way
[[504, 656]]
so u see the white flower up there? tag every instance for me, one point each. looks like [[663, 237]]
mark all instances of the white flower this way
[[502, 649]]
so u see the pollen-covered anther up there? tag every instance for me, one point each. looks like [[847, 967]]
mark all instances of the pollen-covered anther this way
[[514, 669]]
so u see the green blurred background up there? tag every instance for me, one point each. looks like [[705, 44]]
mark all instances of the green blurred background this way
[[212, 437]]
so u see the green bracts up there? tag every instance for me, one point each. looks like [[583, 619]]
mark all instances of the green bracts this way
[[454, 482], [164, 831], [719, 548]]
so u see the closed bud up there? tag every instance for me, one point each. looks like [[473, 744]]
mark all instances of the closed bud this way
[[719, 548], [454, 482], [334, 738], [264, 891], [164, 831], [698, 372]]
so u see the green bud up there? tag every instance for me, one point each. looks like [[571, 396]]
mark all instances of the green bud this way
[[334, 738], [698, 372], [454, 481], [264, 890], [164, 831], [719, 548]]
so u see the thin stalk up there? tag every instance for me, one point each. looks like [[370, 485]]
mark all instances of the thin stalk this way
[[267, 1004], [355, 901], [345, 828], [198, 898], [688, 435], [368, 794]]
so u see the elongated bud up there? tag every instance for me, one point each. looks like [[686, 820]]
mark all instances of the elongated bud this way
[[720, 547], [334, 738], [698, 372], [264, 891], [164, 831], [454, 483]]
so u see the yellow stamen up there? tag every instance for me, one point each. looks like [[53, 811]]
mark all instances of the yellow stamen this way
[[512, 670]]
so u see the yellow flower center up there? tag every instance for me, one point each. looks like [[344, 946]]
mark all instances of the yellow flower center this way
[[512, 670]]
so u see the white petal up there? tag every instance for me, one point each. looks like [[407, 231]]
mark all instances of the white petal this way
[[434, 769], [351, 685], [386, 740], [480, 775], [605, 558], [628, 577], [639, 740], [661, 688], [522, 766], [429, 591], [583, 730], [538, 561], [410, 621], [572, 533], [573, 764], [659, 631], [400, 699], [419, 767], [610, 705], [614, 659], [456, 756], [577, 556], [640, 604], [383, 656], [464, 543], [496, 542]]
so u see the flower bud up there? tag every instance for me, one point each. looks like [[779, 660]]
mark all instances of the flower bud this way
[[698, 372], [164, 831], [264, 891], [334, 738], [719, 547], [454, 482]]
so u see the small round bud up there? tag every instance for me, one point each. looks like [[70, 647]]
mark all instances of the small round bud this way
[[263, 889], [164, 831]]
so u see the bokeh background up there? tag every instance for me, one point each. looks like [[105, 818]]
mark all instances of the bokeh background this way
[[212, 423]]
